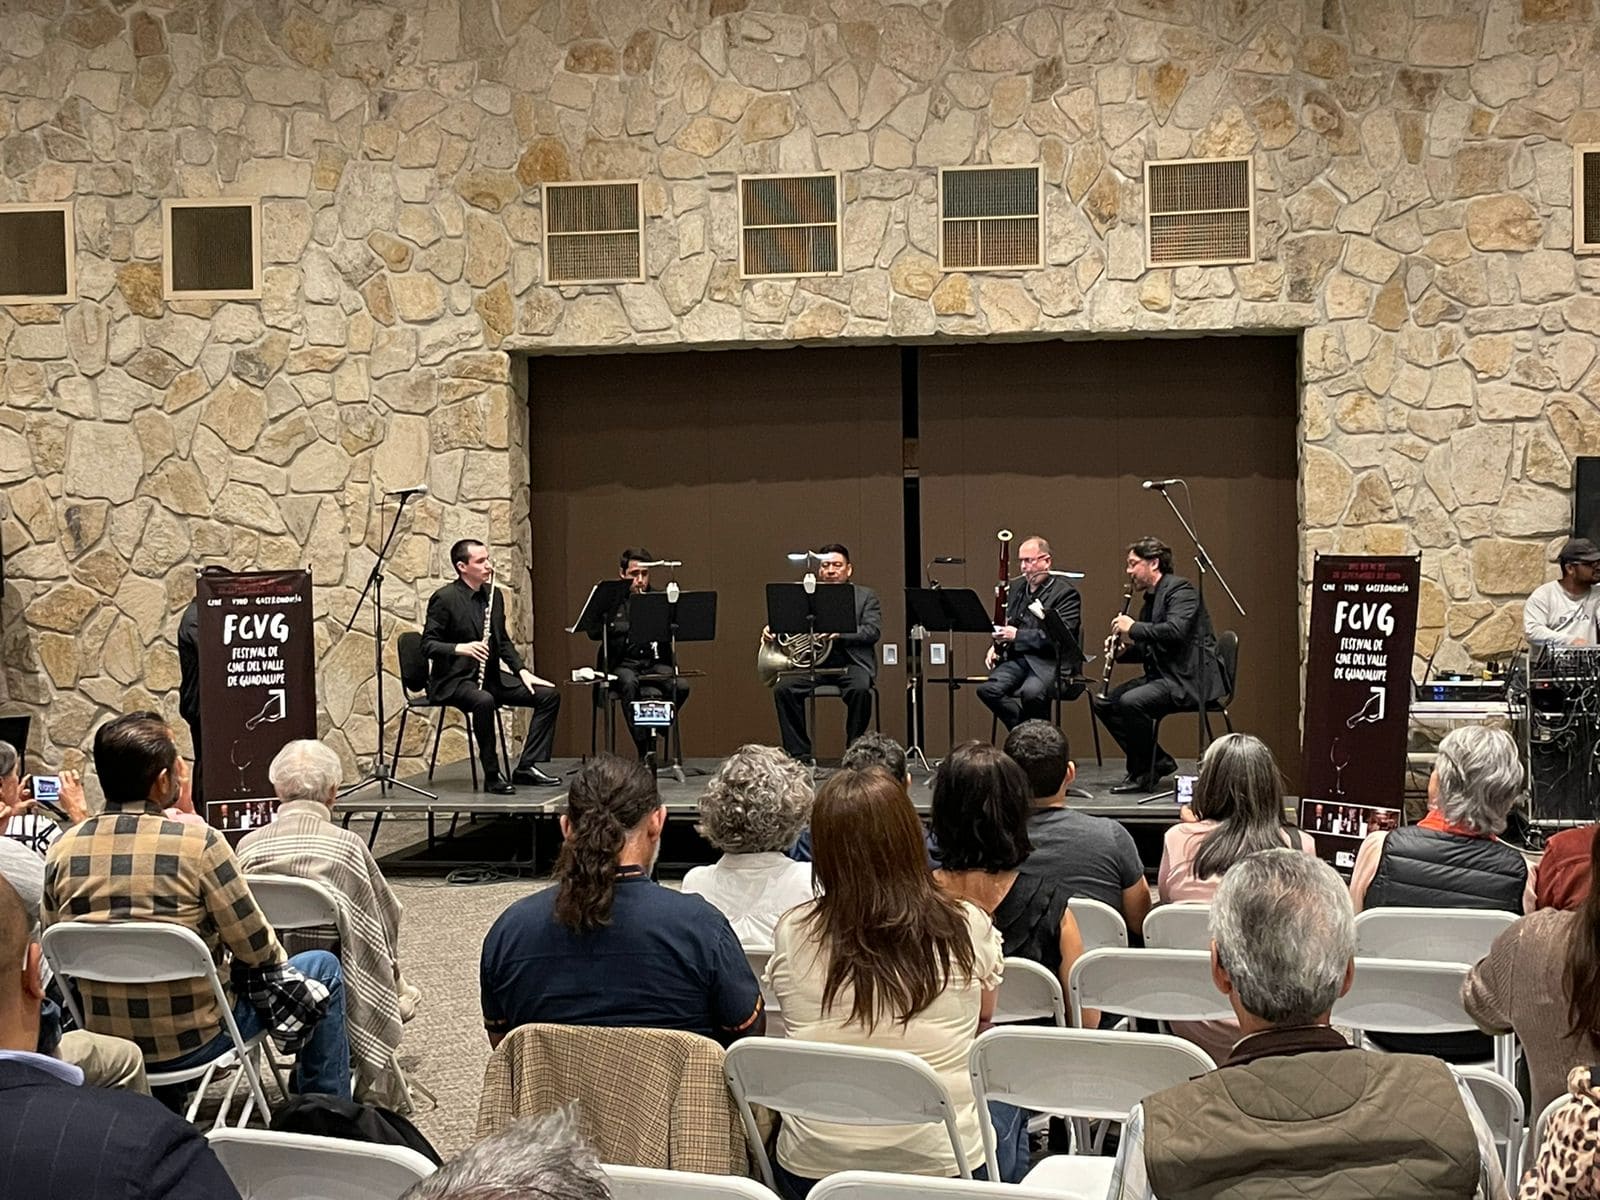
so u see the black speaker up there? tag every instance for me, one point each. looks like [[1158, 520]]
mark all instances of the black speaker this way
[[1586, 498]]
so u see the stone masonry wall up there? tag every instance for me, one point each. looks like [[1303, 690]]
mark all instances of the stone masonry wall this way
[[1414, 191]]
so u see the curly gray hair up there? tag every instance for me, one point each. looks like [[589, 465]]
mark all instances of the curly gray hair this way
[[1480, 778], [541, 1157], [759, 800]]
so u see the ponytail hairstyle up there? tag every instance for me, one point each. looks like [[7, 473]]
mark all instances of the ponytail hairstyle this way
[[609, 797], [1582, 973]]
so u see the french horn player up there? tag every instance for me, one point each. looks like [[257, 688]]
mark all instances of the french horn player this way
[[782, 661]]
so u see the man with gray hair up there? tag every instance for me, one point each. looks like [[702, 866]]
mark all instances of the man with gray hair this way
[[538, 1156], [304, 842], [1295, 1109]]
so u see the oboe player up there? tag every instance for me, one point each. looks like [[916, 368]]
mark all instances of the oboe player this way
[[461, 635], [1022, 662]]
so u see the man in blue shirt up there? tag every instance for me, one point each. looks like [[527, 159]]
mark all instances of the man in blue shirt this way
[[609, 946]]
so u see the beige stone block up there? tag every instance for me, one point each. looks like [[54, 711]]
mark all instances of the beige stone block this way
[[63, 608], [1527, 510], [1497, 636], [416, 297], [1501, 567], [1327, 487], [1502, 223]]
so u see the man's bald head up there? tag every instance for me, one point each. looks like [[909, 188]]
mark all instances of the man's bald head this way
[[14, 927]]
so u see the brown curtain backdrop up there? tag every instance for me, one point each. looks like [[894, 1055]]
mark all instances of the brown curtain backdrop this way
[[725, 460], [1054, 438]]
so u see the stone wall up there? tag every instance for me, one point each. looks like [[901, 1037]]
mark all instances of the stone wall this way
[[1414, 189]]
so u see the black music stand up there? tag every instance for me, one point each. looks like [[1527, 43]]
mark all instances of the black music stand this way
[[949, 610], [1062, 639], [826, 608], [606, 598], [656, 617]]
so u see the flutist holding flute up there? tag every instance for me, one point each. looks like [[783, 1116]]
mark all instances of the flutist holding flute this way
[[468, 652], [1022, 663]]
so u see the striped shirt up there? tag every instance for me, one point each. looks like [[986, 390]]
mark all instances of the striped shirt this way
[[131, 863]]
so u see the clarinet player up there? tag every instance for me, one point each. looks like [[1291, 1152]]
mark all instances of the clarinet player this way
[[473, 666]]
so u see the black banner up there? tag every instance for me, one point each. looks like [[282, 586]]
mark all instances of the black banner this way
[[1358, 678], [258, 689]]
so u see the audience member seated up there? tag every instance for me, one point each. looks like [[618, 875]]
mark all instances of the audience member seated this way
[[980, 822], [131, 863], [1567, 1166], [303, 842], [541, 1158], [1295, 1110], [881, 958], [1452, 858], [752, 810], [1238, 809], [871, 749], [607, 945], [1561, 880], [66, 1140], [1090, 856], [1541, 981]]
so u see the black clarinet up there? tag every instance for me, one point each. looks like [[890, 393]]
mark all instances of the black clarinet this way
[[1111, 644]]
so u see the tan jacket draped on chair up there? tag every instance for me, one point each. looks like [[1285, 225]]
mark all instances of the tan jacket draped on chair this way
[[646, 1097]]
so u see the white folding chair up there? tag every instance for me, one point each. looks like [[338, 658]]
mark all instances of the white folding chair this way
[[1028, 992], [1084, 1074], [148, 952], [653, 1183], [1502, 1108], [1460, 935], [1409, 996], [1185, 925], [848, 1085], [1541, 1127], [1158, 985], [881, 1185], [291, 903], [265, 1165], [758, 957], [1098, 923]]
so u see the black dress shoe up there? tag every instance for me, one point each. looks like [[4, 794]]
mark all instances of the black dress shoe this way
[[533, 777], [1131, 787], [1163, 768], [498, 787]]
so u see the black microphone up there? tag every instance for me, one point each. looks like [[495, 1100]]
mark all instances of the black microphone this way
[[420, 490], [1159, 484]]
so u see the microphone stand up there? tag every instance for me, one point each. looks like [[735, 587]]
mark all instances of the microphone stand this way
[[1204, 565], [382, 773]]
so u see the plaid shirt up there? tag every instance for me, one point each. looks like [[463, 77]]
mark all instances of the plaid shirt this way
[[131, 863]]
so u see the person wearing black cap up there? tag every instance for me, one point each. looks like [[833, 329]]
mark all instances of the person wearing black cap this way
[[1566, 611]]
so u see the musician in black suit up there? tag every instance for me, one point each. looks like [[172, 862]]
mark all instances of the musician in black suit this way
[[855, 652], [630, 659], [1024, 663], [66, 1140], [1173, 640], [454, 641]]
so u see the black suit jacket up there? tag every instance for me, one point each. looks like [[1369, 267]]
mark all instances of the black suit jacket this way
[[71, 1143], [1174, 639], [859, 648], [1033, 645], [455, 615], [625, 652], [189, 669]]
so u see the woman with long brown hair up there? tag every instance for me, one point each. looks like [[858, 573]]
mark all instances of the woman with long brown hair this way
[[1541, 981], [882, 958]]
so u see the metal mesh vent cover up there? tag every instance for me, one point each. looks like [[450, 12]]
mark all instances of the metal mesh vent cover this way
[[989, 217], [1199, 211], [789, 225], [1586, 195], [594, 232]]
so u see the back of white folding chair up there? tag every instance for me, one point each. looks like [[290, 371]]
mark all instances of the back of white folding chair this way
[[136, 952], [848, 1085], [265, 1165], [1159, 985], [654, 1183], [1091, 1074], [1029, 992], [881, 1185], [1460, 935], [1098, 923], [1502, 1108], [1185, 925]]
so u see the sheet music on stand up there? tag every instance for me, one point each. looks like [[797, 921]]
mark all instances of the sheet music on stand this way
[[657, 617]]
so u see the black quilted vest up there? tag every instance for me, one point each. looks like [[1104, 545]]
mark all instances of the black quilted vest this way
[[1428, 868]]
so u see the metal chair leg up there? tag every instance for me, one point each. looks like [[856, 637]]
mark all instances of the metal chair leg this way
[[1094, 728], [438, 733], [399, 739]]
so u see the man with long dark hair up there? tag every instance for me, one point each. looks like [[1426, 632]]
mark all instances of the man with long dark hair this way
[[607, 945]]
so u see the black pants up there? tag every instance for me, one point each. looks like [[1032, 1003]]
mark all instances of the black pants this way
[[1130, 714], [629, 687], [790, 698], [1015, 694], [480, 703]]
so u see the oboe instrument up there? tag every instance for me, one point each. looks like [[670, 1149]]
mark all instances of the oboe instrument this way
[[488, 619], [1111, 644]]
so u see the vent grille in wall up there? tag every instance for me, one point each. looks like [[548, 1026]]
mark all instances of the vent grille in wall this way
[[36, 254], [789, 225], [212, 249], [1586, 199], [989, 217], [1199, 211], [593, 232]]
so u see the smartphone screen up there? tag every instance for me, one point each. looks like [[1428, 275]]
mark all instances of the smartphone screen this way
[[1184, 791], [47, 789]]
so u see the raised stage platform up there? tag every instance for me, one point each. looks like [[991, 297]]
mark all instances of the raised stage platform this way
[[466, 828]]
